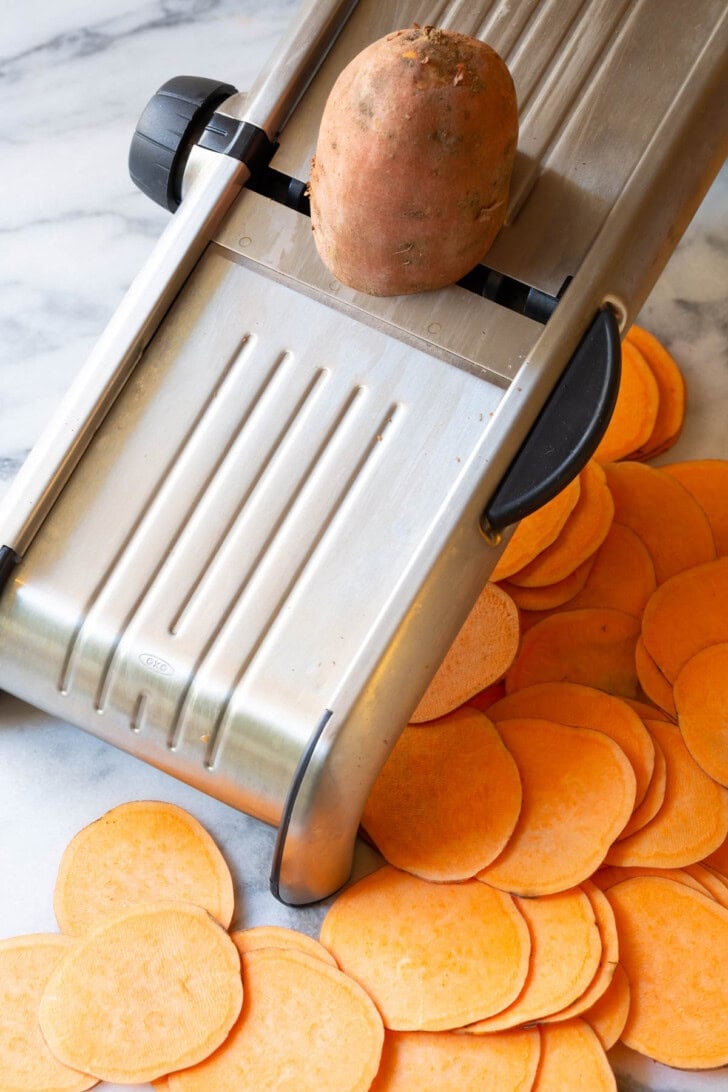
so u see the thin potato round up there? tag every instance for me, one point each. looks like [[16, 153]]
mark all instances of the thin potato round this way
[[550, 596], [693, 819], [138, 852], [652, 681], [607, 963], [701, 700], [447, 799], [653, 799], [26, 1063], [537, 531], [278, 936], [149, 990], [707, 481], [566, 948], [432, 956], [594, 647], [585, 707], [635, 413], [304, 1026], [572, 1051], [481, 654], [685, 615], [666, 517], [422, 1061], [621, 575], [578, 793], [671, 385], [674, 947], [582, 534], [718, 859], [608, 1015]]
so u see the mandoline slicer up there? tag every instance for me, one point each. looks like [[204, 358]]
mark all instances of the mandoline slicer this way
[[267, 504]]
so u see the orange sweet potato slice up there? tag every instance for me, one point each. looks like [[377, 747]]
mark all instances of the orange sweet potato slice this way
[[685, 615], [674, 947], [481, 654], [140, 851], [607, 877], [26, 1063], [432, 956], [646, 710], [711, 881], [693, 819], [447, 799], [566, 948], [718, 859], [701, 699], [568, 1050], [622, 576], [585, 707], [582, 534], [635, 413], [593, 646], [666, 517], [653, 682], [537, 531], [277, 936], [304, 1025], [672, 393], [653, 799], [607, 962], [578, 793], [608, 1015], [448, 1062], [149, 990], [550, 596], [707, 481]]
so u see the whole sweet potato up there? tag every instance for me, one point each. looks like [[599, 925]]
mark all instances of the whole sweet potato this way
[[409, 184]]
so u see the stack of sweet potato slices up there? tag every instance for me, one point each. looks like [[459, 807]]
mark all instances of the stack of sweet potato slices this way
[[554, 823]]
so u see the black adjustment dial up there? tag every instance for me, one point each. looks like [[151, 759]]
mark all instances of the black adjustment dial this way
[[170, 124]]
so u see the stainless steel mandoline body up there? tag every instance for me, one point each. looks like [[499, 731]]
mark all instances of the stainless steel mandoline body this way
[[268, 502]]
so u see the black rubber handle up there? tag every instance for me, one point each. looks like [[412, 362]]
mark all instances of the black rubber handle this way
[[568, 429], [169, 125]]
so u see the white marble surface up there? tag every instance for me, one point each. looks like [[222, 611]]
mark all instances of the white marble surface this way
[[74, 76]]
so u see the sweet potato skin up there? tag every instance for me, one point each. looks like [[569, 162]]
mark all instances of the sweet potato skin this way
[[410, 179]]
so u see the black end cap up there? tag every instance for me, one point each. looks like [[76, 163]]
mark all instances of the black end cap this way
[[169, 125]]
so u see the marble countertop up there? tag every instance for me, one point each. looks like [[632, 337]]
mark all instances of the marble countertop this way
[[73, 80]]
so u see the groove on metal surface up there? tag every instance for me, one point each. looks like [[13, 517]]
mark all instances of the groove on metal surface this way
[[376, 444], [148, 513], [552, 93], [504, 28], [267, 389], [137, 717], [288, 507], [197, 585]]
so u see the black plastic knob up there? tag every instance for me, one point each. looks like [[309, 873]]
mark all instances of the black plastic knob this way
[[170, 124]]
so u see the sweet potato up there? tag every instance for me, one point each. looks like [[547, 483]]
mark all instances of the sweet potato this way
[[481, 653], [432, 956], [654, 684], [667, 518], [707, 480], [421, 1061], [671, 386], [582, 534], [26, 1063], [304, 1025], [148, 991], [277, 936], [571, 1052], [550, 596], [701, 699], [635, 413], [674, 947], [585, 707], [447, 799], [566, 948], [653, 799], [409, 183], [608, 1015], [537, 531], [140, 851], [693, 819], [578, 793], [621, 575], [592, 646]]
